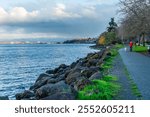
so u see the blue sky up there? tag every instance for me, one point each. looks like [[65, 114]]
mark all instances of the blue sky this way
[[54, 18]]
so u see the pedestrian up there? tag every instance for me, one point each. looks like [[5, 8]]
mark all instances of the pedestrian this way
[[131, 45]]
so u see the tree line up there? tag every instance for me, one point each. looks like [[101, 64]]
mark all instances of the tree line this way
[[135, 22]]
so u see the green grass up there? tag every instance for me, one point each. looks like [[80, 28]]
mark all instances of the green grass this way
[[140, 49], [104, 89], [110, 78], [107, 64], [119, 46], [134, 87]]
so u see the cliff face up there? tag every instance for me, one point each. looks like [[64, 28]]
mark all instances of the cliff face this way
[[64, 82]]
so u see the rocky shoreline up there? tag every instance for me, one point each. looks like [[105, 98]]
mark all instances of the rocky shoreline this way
[[63, 82]]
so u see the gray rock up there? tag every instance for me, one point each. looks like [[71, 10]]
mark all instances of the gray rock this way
[[95, 56], [42, 76], [73, 64], [25, 95], [81, 83], [63, 66], [72, 77], [60, 96], [89, 71], [51, 89], [92, 62], [89, 55], [99, 62], [55, 80], [50, 71], [96, 75], [40, 83]]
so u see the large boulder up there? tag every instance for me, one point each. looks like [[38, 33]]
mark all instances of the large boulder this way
[[81, 83], [99, 63], [72, 77], [51, 89], [87, 72], [25, 95], [60, 68], [89, 55], [95, 76], [95, 56], [40, 83], [50, 71], [92, 62], [57, 79], [60, 96], [63, 66], [42, 76], [73, 65]]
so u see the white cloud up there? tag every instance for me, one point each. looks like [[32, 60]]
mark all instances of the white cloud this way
[[89, 11], [17, 14], [60, 12]]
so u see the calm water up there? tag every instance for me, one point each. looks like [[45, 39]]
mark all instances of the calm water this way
[[20, 65]]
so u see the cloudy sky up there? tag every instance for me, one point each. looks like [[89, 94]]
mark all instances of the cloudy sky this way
[[54, 18]]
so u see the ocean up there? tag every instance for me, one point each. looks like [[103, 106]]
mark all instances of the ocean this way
[[20, 65]]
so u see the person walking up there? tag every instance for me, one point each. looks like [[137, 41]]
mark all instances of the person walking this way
[[131, 45]]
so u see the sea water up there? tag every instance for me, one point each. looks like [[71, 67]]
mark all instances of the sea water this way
[[20, 65]]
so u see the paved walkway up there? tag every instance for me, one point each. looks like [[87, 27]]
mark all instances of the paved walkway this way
[[118, 70], [138, 66]]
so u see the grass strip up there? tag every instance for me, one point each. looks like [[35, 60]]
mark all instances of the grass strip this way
[[134, 87]]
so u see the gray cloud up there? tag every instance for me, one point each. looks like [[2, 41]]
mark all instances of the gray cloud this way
[[81, 20]]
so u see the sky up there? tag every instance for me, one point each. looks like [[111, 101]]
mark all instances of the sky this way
[[21, 19]]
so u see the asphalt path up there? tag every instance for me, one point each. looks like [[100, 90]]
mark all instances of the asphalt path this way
[[138, 66]]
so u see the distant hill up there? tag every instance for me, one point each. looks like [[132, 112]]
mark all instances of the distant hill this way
[[81, 41]]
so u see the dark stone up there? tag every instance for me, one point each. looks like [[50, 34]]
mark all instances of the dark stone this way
[[99, 62], [92, 62], [96, 75], [101, 53], [51, 89], [4, 98], [60, 68], [42, 76], [40, 83], [73, 65], [89, 71], [81, 83], [50, 71], [60, 96], [55, 80], [63, 66], [56, 70], [67, 73], [78, 65], [72, 77], [25, 95], [86, 73], [95, 56], [89, 55]]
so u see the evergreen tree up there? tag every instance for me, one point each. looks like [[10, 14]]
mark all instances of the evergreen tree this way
[[112, 26]]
